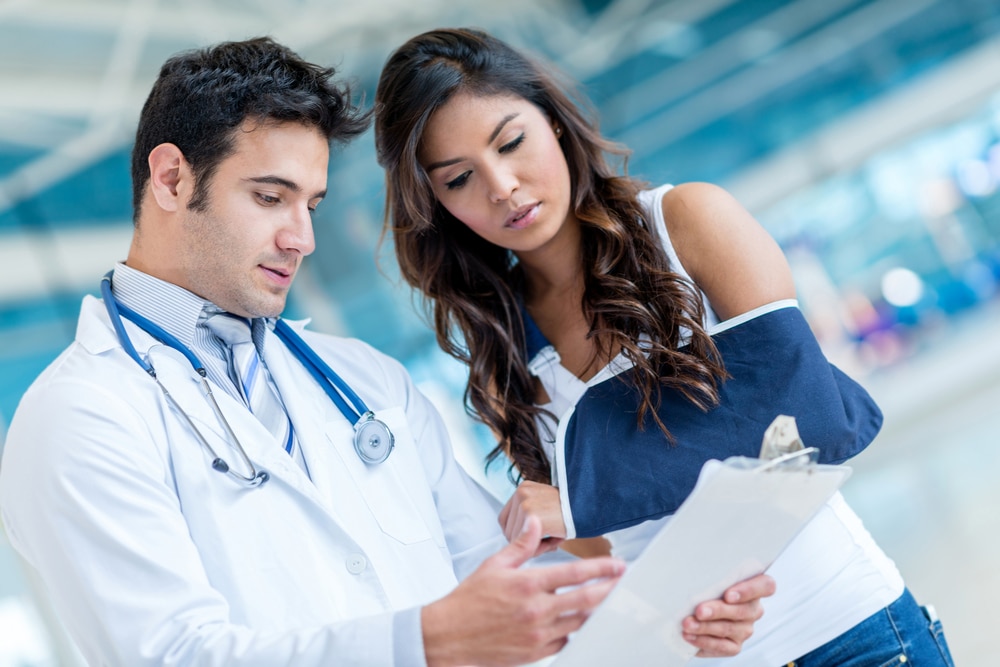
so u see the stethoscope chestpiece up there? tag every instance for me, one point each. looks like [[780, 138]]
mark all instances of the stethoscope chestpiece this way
[[373, 441]]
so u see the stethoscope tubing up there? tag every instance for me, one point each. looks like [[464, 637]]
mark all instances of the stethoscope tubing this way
[[358, 414], [115, 313], [328, 379], [336, 388]]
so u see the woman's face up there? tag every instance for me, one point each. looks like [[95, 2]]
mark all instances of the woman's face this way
[[495, 163]]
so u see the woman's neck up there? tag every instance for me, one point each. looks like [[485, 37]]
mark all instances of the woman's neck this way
[[553, 295], [556, 269]]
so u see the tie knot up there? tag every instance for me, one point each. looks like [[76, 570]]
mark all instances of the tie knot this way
[[231, 329]]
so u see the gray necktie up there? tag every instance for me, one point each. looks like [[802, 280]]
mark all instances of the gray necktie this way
[[251, 377]]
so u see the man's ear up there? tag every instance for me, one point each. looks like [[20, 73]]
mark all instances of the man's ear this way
[[170, 178]]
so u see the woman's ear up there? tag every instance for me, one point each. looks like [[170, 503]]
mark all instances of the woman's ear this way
[[169, 172]]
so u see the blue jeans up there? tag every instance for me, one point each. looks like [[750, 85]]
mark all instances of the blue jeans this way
[[904, 633]]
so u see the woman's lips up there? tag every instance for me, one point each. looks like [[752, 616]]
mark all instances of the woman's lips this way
[[523, 217]]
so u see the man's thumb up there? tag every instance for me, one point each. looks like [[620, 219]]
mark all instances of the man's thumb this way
[[523, 547]]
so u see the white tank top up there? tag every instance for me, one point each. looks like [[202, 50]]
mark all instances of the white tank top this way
[[829, 579]]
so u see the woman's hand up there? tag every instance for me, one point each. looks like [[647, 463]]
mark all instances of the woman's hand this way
[[539, 500], [719, 627]]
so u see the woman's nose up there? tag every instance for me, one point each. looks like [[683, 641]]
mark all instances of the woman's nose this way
[[502, 184]]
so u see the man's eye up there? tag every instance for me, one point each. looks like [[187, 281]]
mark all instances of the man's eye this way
[[267, 199]]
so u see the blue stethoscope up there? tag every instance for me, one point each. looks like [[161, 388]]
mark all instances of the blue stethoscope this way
[[373, 441]]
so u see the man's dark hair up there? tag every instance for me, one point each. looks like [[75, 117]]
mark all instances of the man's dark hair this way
[[202, 96]]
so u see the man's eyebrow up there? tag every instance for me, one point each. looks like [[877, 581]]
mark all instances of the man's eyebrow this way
[[493, 135], [285, 183]]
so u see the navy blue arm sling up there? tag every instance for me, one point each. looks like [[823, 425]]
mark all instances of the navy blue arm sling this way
[[620, 475]]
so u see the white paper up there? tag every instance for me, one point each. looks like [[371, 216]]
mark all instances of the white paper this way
[[739, 518]]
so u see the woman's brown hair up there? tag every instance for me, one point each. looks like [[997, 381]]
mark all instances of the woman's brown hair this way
[[632, 299]]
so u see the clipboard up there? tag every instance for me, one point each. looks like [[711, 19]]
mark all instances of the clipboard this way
[[740, 516]]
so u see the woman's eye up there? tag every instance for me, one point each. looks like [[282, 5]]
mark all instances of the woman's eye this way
[[512, 146], [457, 182]]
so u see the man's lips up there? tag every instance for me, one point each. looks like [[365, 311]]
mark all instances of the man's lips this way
[[279, 273]]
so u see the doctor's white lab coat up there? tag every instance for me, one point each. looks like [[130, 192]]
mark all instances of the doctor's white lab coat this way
[[151, 557]]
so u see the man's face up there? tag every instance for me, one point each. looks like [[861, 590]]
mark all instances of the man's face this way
[[242, 250]]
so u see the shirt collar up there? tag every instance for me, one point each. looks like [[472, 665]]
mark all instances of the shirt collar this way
[[179, 311], [172, 307]]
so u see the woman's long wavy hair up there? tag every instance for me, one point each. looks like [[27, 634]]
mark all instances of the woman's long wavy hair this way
[[632, 299]]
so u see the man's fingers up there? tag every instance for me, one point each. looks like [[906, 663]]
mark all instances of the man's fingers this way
[[523, 547], [567, 624], [583, 599], [580, 571]]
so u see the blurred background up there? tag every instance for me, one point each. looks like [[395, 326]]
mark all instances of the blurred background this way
[[864, 134]]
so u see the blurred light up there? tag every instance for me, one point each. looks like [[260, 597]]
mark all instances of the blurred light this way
[[940, 197], [757, 42], [993, 157], [974, 178], [979, 277], [902, 287], [891, 179], [670, 38]]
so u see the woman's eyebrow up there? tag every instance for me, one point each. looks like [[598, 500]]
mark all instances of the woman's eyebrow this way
[[493, 135], [503, 121]]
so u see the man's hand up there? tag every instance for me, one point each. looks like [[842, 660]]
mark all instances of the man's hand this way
[[539, 500], [503, 615], [719, 627]]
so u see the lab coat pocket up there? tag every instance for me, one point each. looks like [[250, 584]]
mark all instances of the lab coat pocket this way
[[388, 488]]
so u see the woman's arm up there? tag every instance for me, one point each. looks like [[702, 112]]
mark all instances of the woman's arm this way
[[727, 253]]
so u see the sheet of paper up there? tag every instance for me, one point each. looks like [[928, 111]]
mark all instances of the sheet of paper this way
[[740, 516]]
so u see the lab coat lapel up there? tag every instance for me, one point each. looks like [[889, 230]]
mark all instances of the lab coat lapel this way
[[349, 488], [96, 334], [311, 411], [177, 376]]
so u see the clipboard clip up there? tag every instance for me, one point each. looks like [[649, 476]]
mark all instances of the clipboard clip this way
[[782, 447], [802, 458]]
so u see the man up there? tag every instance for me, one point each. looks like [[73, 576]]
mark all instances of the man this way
[[185, 503]]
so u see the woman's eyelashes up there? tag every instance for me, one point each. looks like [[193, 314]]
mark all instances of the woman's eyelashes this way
[[512, 146], [458, 182], [463, 178]]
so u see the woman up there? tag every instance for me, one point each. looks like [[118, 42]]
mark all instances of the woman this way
[[582, 304]]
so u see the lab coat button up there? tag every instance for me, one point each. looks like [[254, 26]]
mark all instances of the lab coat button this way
[[356, 563]]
